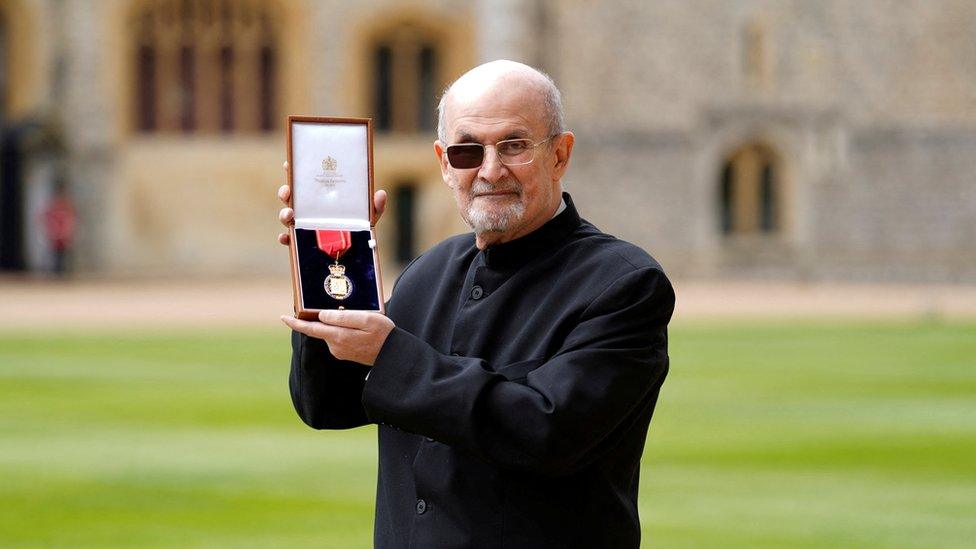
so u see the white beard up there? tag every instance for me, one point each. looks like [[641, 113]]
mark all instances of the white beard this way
[[493, 219]]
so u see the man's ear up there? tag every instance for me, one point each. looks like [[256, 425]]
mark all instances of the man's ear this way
[[564, 149], [440, 151]]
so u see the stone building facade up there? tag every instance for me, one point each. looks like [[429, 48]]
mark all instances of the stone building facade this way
[[750, 138]]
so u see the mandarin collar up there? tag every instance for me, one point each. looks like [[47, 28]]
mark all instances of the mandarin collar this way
[[521, 250]]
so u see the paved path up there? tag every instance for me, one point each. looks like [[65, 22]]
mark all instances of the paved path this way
[[148, 304]]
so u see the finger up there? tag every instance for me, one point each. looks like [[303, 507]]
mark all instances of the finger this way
[[357, 320], [284, 192], [312, 329], [286, 215], [285, 166], [379, 203], [296, 324], [284, 238]]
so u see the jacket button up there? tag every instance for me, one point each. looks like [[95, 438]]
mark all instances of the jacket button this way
[[477, 292], [421, 506]]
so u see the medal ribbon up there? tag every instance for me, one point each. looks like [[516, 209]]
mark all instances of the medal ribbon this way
[[334, 243]]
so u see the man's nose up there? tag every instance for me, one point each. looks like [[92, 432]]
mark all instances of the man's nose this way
[[492, 169]]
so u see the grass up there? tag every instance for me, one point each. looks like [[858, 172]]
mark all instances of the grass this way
[[766, 435]]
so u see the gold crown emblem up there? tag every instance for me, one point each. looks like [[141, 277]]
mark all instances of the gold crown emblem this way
[[337, 270], [330, 164]]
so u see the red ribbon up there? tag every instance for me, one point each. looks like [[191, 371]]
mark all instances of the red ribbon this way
[[334, 243]]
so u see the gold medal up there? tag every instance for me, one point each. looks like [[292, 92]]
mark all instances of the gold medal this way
[[335, 244], [337, 284]]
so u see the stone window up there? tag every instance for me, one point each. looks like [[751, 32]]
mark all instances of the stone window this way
[[205, 66], [750, 192], [405, 199], [756, 55], [405, 76]]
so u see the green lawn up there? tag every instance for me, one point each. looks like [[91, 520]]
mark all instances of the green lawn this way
[[767, 435]]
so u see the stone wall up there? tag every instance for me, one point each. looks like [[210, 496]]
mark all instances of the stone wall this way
[[871, 105]]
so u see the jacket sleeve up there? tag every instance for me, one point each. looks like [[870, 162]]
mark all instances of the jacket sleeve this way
[[607, 372], [327, 392]]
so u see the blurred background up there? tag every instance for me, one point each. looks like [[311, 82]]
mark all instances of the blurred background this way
[[795, 140], [804, 170]]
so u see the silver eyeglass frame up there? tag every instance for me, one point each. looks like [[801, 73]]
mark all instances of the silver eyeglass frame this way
[[501, 158]]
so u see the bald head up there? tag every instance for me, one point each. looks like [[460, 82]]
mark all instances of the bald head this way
[[502, 74]]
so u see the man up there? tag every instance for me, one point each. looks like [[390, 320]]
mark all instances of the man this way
[[515, 376], [59, 225]]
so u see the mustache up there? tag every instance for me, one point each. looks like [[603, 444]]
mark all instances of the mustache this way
[[480, 186]]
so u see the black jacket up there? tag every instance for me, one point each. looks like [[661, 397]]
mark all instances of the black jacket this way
[[514, 395]]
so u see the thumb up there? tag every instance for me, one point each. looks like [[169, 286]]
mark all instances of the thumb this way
[[379, 203]]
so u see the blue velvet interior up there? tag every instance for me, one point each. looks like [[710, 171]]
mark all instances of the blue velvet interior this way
[[314, 264]]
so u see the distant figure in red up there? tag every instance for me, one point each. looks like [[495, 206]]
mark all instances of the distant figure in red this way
[[59, 224]]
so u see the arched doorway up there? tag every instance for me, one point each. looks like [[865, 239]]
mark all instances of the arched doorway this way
[[751, 192], [11, 167], [4, 66]]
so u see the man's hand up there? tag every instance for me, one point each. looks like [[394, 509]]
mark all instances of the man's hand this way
[[287, 215], [351, 335]]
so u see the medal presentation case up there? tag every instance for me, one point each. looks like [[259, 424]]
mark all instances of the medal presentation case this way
[[334, 258]]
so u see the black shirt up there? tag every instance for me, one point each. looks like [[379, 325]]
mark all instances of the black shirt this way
[[514, 395]]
